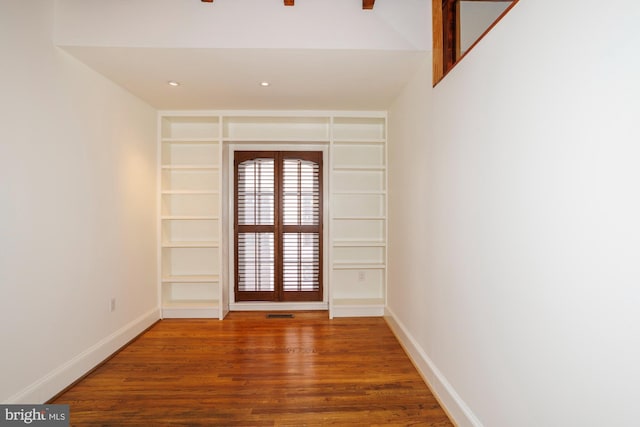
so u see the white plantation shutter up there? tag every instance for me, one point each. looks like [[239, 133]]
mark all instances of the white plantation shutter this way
[[278, 226]]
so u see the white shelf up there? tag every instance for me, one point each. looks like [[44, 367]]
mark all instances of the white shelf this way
[[202, 244], [358, 127], [360, 193], [190, 167], [191, 140], [358, 302], [189, 217], [182, 126], [359, 141], [359, 168], [276, 140], [358, 243], [276, 128], [190, 192], [359, 218], [358, 266], [189, 304], [214, 278]]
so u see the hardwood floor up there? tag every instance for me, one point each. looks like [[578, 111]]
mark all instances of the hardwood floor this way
[[248, 370]]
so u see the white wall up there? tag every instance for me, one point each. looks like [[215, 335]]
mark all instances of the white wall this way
[[77, 223], [515, 220]]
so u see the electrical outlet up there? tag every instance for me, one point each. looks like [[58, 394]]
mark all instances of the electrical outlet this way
[[361, 276], [112, 305]]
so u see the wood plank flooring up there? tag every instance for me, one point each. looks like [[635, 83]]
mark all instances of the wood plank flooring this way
[[248, 370]]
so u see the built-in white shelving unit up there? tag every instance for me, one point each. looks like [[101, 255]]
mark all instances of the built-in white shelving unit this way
[[197, 280], [190, 222], [358, 215], [265, 128]]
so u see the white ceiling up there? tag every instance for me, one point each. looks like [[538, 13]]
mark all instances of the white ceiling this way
[[230, 78], [319, 54]]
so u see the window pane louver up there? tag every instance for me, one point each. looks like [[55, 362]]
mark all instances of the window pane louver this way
[[256, 262], [301, 262], [256, 183], [301, 192]]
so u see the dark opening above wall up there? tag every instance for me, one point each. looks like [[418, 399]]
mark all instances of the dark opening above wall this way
[[458, 25]]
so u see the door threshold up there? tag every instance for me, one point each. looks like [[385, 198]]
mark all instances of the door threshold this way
[[278, 306]]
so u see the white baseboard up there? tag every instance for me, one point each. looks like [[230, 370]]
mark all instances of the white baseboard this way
[[55, 381], [449, 399], [345, 310], [190, 313]]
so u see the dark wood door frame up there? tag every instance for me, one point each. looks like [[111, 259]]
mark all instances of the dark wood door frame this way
[[279, 228]]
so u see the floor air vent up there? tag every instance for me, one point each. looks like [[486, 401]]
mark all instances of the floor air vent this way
[[279, 316]]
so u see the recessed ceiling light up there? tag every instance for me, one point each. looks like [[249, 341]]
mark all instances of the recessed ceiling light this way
[[173, 83], [264, 84]]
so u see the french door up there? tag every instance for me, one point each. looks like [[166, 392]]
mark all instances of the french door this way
[[278, 225]]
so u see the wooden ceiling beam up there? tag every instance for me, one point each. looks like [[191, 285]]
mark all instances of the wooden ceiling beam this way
[[366, 4]]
